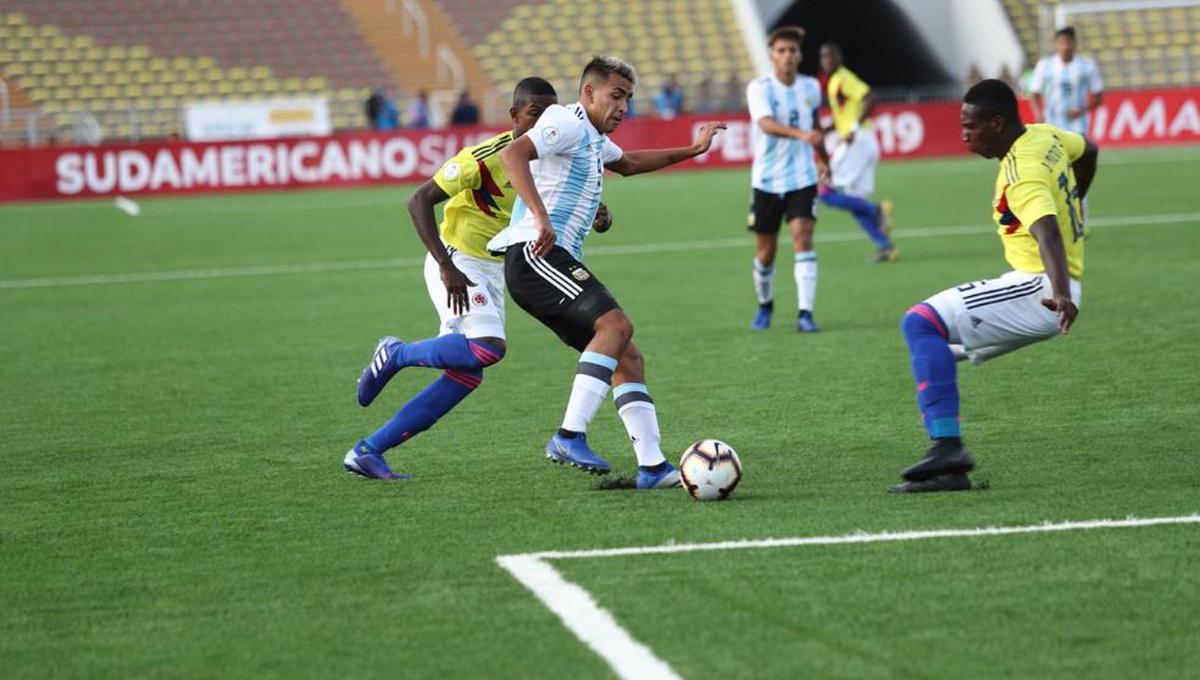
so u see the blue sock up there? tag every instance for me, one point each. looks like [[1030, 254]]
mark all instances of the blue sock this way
[[866, 212], [933, 369], [449, 351], [423, 410]]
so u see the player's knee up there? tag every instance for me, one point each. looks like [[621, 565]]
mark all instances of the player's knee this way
[[616, 325], [488, 351], [922, 320]]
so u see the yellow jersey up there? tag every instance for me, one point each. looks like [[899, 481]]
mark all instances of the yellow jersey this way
[[1036, 180], [846, 94], [481, 197]]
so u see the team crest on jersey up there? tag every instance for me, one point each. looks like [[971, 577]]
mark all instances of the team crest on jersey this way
[[581, 274], [479, 300], [451, 170], [550, 135]]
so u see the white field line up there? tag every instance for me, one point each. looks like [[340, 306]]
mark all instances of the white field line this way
[[631, 659], [598, 251]]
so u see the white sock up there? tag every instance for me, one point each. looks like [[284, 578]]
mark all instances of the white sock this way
[[764, 281], [806, 279], [641, 422], [593, 375]]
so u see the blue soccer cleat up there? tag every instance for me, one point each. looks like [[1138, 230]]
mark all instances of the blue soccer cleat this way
[[664, 478], [575, 451], [762, 319], [805, 323], [379, 370], [361, 460]]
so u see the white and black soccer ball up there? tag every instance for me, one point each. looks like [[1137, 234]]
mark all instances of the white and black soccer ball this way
[[710, 470]]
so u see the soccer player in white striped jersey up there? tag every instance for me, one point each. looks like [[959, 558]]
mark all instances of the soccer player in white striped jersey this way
[[789, 162], [1066, 87], [557, 169]]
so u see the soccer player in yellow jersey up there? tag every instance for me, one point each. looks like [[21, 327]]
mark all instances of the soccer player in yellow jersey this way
[[465, 282], [855, 153], [1044, 175]]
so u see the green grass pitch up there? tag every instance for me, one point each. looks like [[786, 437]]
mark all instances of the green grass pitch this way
[[178, 391]]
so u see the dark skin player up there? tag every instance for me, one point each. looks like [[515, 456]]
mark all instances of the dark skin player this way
[[992, 137]]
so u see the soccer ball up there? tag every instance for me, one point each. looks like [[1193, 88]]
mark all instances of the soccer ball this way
[[710, 470]]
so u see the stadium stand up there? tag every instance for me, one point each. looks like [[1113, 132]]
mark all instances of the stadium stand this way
[[130, 64], [660, 37], [1149, 46]]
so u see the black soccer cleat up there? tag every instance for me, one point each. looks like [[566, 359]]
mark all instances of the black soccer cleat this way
[[945, 457], [951, 482]]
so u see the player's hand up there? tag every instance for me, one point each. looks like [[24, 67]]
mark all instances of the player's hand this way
[[813, 137], [704, 136], [1067, 311], [545, 238], [823, 175], [456, 284], [849, 138], [603, 220]]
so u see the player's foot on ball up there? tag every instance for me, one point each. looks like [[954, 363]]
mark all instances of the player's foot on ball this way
[[805, 323], [361, 460], [379, 370], [889, 254], [945, 457], [762, 318], [954, 482], [661, 476], [575, 451]]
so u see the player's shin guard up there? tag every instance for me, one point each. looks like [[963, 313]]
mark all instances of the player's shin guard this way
[[637, 411], [934, 370], [805, 271], [865, 212], [453, 350], [764, 281], [423, 410], [593, 375]]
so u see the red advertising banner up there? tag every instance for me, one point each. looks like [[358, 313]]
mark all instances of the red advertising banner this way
[[1146, 117]]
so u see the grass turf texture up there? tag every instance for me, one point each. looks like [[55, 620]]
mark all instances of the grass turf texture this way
[[173, 501]]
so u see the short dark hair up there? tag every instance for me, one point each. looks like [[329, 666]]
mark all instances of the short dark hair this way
[[1068, 31], [532, 87], [994, 98], [792, 33], [604, 65], [833, 47]]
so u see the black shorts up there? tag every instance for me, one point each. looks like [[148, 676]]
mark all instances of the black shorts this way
[[768, 211], [558, 291]]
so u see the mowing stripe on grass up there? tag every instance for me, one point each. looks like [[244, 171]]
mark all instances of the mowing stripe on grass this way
[[598, 629], [598, 251]]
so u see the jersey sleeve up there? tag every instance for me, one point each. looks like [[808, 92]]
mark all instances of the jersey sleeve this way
[[1073, 143], [1029, 200], [556, 132], [1038, 82], [1094, 83], [756, 100], [611, 152], [459, 174], [853, 87]]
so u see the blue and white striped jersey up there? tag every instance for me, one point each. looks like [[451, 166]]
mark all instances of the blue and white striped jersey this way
[[1065, 86], [568, 173], [782, 164]]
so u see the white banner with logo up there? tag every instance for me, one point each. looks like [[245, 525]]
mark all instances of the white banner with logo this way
[[261, 119]]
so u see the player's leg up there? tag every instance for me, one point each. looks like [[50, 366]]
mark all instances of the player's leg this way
[[766, 214], [801, 214], [637, 411], [853, 182], [480, 329]]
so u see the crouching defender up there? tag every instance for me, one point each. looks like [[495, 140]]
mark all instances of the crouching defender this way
[[1044, 175]]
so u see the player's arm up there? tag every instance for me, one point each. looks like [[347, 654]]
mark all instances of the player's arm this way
[[649, 160], [1035, 105], [1054, 259], [1084, 167], [420, 208], [773, 127], [515, 158]]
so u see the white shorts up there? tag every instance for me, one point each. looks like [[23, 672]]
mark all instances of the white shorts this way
[[485, 317], [994, 317], [853, 165]]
